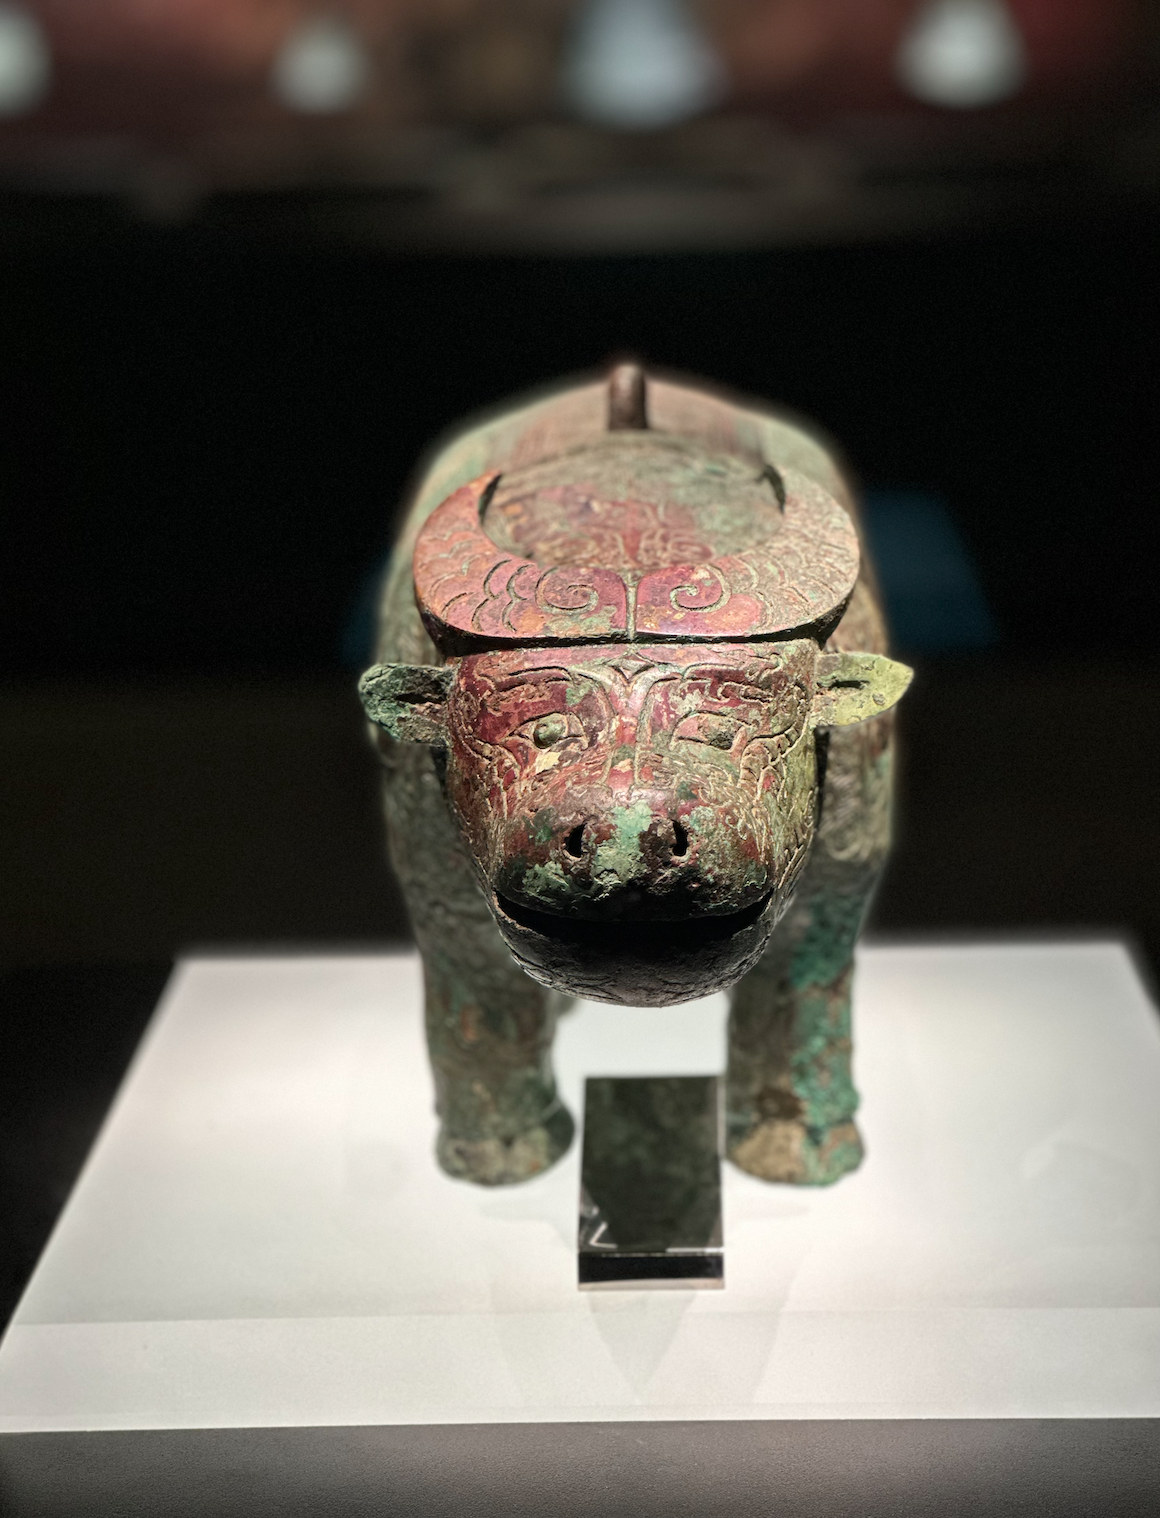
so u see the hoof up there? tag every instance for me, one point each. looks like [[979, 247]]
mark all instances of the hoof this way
[[506, 1161], [778, 1150]]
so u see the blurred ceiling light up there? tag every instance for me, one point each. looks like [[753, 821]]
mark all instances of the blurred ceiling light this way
[[321, 67], [25, 62], [640, 64], [962, 53]]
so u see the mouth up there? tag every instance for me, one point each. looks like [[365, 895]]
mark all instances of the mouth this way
[[611, 937], [649, 963]]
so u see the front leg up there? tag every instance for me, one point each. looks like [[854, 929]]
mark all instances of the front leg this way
[[790, 1096], [489, 1026], [489, 1036]]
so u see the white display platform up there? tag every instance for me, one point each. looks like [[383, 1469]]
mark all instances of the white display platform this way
[[261, 1236]]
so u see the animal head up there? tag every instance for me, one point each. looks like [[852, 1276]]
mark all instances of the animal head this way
[[637, 815]]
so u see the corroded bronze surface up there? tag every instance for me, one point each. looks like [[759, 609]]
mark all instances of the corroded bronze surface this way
[[633, 707], [611, 563]]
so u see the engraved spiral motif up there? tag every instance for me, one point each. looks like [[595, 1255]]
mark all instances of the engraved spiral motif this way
[[695, 594], [560, 590]]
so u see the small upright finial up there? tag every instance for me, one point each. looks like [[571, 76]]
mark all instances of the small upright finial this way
[[626, 399]]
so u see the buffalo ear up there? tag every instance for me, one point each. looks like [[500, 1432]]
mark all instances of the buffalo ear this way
[[409, 701], [852, 687]]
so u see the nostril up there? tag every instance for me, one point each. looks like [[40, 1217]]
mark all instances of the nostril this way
[[680, 839], [574, 842]]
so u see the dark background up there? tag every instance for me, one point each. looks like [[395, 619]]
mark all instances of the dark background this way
[[204, 437]]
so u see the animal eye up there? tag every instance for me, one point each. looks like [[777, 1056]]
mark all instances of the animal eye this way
[[712, 728], [547, 731]]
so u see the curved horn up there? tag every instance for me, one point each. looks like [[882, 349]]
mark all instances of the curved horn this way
[[797, 581]]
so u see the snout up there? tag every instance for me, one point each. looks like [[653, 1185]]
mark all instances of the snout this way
[[655, 842], [629, 859], [644, 859], [648, 901]]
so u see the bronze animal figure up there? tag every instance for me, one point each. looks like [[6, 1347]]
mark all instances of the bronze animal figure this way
[[633, 709]]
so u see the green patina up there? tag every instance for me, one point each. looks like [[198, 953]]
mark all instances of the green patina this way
[[702, 820], [747, 878], [620, 855], [542, 828], [824, 949], [545, 883], [489, 1031], [827, 1155], [497, 1101], [820, 1063], [550, 729]]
